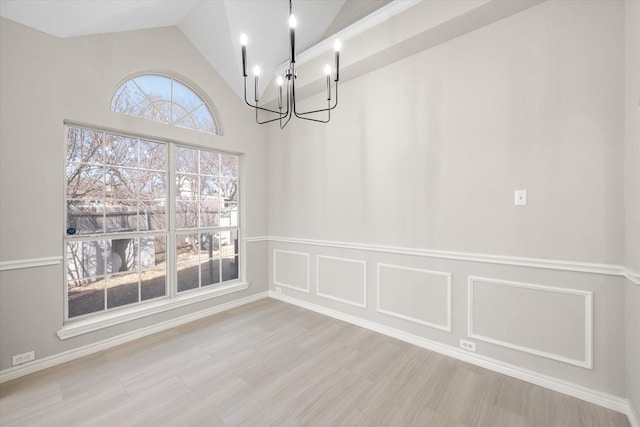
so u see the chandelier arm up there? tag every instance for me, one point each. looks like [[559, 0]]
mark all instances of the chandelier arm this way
[[288, 114], [257, 107], [329, 108], [314, 120], [286, 121]]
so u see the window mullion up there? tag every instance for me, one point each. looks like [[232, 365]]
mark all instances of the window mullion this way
[[172, 270]]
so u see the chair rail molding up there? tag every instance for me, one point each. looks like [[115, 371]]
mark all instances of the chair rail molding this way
[[30, 263], [551, 264]]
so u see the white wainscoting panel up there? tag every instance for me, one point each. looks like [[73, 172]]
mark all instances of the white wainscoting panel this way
[[342, 279], [416, 295], [552, 322], [291, 269]]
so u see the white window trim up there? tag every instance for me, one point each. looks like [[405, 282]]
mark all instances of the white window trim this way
[[117, 317]]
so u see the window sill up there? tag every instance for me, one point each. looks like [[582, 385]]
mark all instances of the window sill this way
[[85, 326]]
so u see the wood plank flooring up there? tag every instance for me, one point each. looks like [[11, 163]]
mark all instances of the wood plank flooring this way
[[273, 364]]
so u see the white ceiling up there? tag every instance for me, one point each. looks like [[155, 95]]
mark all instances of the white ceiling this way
[[213, 26]]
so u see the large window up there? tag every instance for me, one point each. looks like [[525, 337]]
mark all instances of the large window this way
[[146, 220]]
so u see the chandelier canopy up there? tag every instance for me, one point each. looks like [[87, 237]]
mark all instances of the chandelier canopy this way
[[287, 98]]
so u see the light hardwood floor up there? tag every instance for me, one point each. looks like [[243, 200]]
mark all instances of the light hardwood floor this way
[[272, 364]]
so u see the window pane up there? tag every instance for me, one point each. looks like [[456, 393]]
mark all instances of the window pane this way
[[210, 213], [188, 276], [153, 283], [151, 185], [153, 155], [154, 87], [152, 252], [120, 183], [209, 245], [186, 214], [152, 112], [229, 189], [160, 111], [122, 289], [84, 146], [209, 163], [183, 118], [128, 99], [85, 259], [121, 216], [152, 216], [229, 242], [229, 165], [184, 97], [229, 268], [209, 187], [187, 247], [121, 150], [204, 119], [210, 271], [209, 202], [122, 255], [85, 217], [186, 160], [85, 297], [84, 181], [186, 187]]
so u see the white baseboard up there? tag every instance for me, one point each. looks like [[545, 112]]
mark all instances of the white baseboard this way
[[634, 419], [76, 353], [606, 400]]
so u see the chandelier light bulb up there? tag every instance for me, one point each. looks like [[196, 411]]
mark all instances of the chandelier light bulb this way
[[243, 39], [292, 21], [279, 81], [256, 71], [327, 69], [337, 45]]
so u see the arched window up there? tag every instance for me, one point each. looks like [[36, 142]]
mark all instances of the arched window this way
[[165, 100]]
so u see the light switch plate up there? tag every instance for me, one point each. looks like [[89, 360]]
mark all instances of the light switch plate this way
[[520, 198]]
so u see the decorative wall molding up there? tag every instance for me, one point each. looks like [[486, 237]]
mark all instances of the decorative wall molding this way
[[362, 304], [631, 275], [634, 419], [587, 362], [30, 263], [290, 285], [256, 239], [76, 353], [445, 327], [583, 267], [606, 400]]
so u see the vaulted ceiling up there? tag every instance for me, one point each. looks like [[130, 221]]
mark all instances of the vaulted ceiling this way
[[374, 32], [212, 26]]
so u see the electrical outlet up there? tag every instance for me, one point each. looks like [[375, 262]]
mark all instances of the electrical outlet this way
[[468, 345], [278, 290], [19, 359]]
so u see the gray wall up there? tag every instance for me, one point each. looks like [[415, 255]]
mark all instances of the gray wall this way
[[398, 208], [423, 156], [45, 81], [632, 168]]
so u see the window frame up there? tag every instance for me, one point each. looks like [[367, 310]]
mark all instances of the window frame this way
[[216, 126], [80, 324]]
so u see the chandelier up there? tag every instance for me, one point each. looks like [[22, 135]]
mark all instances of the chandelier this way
[[287, 100]]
